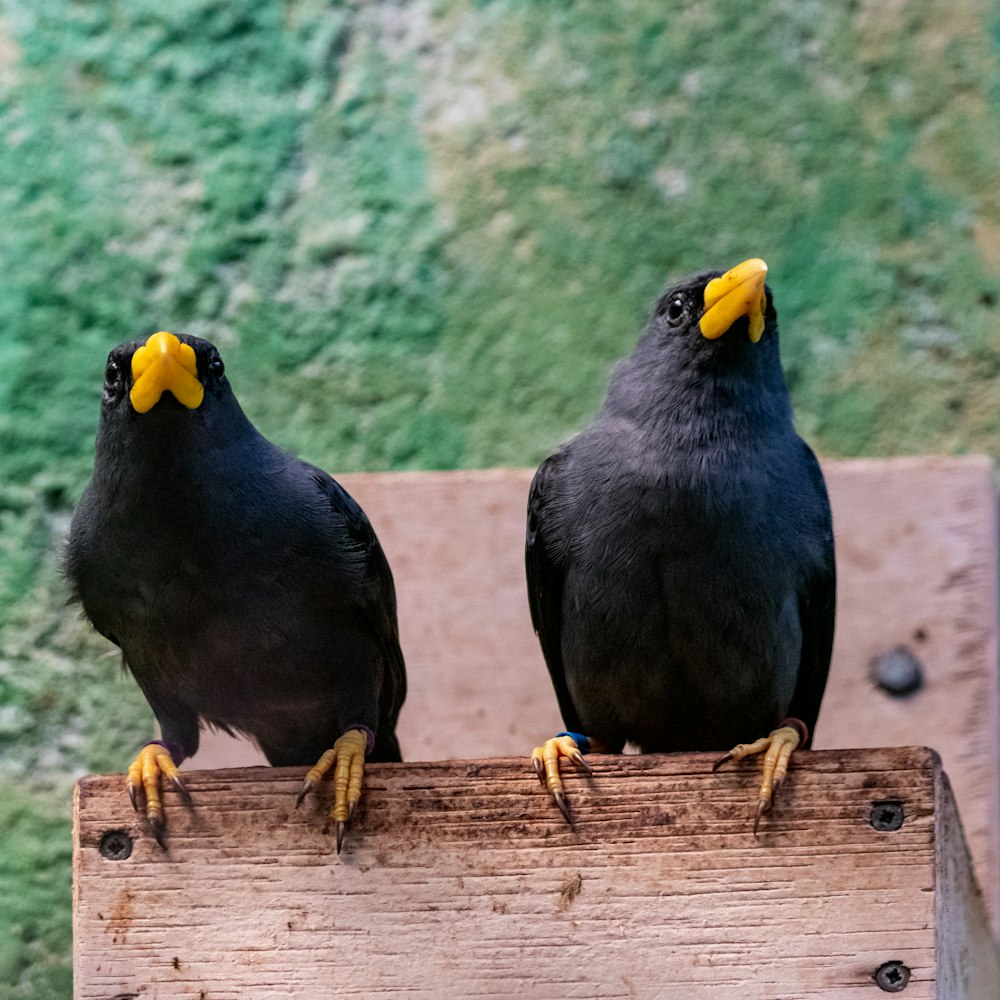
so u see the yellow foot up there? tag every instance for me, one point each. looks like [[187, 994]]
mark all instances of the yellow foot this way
[[779, 746], [348, 753], [545, 760], [144, 778]]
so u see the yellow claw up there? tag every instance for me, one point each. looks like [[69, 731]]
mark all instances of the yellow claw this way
[[144, 773], [545, 760], [347, 758], [779, 745]]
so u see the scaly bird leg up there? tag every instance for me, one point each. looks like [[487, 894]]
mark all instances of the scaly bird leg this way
[[779, 746], [143, 780], [545, 760], [347, 757]]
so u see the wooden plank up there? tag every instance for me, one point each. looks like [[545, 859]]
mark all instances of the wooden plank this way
[[917, 552], [461, 879]]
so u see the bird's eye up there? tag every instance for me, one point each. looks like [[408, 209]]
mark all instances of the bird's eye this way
[[216, 367], [674, 310], [113, 382]]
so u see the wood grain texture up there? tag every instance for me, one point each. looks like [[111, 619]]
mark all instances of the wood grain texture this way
[[461, 880], [968, 961], [917, 563]]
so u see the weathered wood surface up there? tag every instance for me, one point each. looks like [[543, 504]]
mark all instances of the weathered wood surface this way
[[966, 949], [917, 561], [461, 879]]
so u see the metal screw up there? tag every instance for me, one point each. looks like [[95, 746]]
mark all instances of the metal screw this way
[[893, 977], [897, 672], [116, 845], [887, 816]]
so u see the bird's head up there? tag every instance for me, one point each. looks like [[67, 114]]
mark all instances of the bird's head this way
[[710, 336], [167, 381], [708, 306], [162, 370]]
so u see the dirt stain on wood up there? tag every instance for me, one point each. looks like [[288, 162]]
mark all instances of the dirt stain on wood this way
[[120, 918], [569, 890]]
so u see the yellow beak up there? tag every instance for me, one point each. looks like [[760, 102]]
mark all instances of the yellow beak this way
[[739, 292], [164, 363]]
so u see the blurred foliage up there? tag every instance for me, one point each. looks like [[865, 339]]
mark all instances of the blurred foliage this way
[[421, 233], [35, 888]]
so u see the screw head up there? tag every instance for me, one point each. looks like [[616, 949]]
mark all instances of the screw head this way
[[893, 977], [897, 672], [116, 845], [887, 816]]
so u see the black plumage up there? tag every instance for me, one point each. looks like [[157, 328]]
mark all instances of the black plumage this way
[[245, 587], [679, 553]]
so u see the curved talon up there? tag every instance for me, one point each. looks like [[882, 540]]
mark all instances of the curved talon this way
[[538, 764], [545, 760], [307, 787], [158, 827], [779, 745], [563, 804], [181, 787], [762, 807], [347, 758]]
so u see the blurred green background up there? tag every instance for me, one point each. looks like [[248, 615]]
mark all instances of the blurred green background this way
[[421, 233]]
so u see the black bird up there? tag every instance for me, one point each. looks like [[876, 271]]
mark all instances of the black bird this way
[[246, 588], [679, 551]]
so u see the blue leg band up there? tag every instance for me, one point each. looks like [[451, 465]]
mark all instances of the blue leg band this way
[[581, 741]]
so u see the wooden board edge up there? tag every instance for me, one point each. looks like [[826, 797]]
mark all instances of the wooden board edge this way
[[913, 757], [968, 958]]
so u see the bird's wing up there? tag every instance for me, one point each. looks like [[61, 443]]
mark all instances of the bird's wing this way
[[545, 565], [364, 559], [817, 603], [374, 587]]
